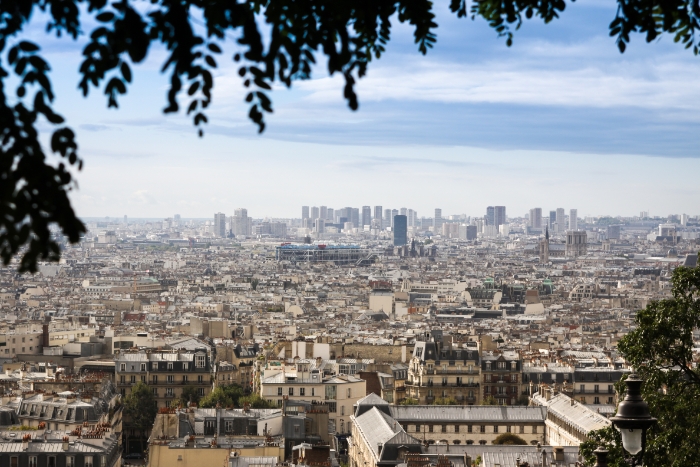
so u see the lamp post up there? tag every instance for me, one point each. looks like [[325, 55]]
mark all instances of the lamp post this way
[[633, 419]]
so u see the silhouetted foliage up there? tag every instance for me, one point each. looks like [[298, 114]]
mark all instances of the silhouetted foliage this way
[[509, 438], [275, 40]]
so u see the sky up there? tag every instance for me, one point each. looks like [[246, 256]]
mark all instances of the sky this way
[[560, 119]]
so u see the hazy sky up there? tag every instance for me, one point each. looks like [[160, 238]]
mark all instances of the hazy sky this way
[[560, 119]]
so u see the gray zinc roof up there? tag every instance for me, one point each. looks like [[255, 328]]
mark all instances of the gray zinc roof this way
[[427, 413]]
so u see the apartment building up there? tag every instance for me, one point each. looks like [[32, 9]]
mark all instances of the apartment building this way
[[501, 376], [441, 369], [339, 392], [167, 372]]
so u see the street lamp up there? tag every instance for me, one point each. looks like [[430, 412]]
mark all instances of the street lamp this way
[[633, 418]]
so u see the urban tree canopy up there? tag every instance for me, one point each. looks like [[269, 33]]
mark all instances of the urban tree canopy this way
[[275, 40]]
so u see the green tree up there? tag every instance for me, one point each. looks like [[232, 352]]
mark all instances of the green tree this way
[[256, 401], [224, 396], [610, 439], [660, 349], [489, 400], [409, 401], [189, 394], [445, 401], [509, 438], [278, 41], [140, 410]]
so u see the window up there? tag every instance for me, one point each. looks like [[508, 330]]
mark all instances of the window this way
[[279, 391], [444, 428], [32, 461], [291, 391], [133, 379], [456, 428], [332, 407], [469, 428], [430, 428], [313, 392], [482, 429], [88, 461], [508, 429], [154, 366], [342, 410], [170, 366], [122, 367], [169, 392], [501, 365], [143, 378], [495, 428], [122, 379], [349, 393], [184, 379], [143, 367], [522, 429], [70, 461], [200, 361], [155, 379], [534, 429], [302, 391], [155, 392], [52, 462], [200, 391], [200, 379], [596, 400], [596, 389], [170, 378], [185, 366]]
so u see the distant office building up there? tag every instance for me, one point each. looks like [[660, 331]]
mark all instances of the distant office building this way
[[323, 212], [471, 232], [573, 219], [366, 215], [495, 215], [536, 218], [576, 243], [490, 215], [241, 224], [561, 222], [394, 213], [411, 218], [331, 215], [437, 222], [355, 217], [400, 230], [614, 232], [125, 221], [684, 219], [644, 214], [305, 212], [315, 212], [220, 225], [320, 226], [387, 218], [378, 216], [403, 212], [552, 219]]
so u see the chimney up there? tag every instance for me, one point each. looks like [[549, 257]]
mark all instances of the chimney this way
[[65, 443], [558, 454]]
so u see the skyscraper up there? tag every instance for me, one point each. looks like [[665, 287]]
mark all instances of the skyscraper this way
[[240, 223], [355, 217], [220, 225], [552, 219], [366, 215], [400, 230], [573, 219], [315, 212], [387, 218], [394, 212], [490, 215], [403, 212], [378, 216], [411, 218], [331, 215], [324, 212], [499, 215], [304, 212], [561, 223], [536, 218], [176, 219], [437, 222]]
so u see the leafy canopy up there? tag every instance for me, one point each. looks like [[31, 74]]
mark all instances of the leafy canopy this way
[[140, 407], [275, 41], [660, 349]]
